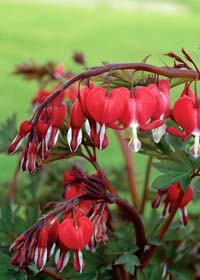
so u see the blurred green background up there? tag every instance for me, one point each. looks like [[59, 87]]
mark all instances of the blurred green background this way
[[113, 31]]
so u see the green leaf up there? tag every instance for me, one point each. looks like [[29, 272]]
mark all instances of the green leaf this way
[[162, 182], [196, 186], [21, 275], [8, 132], [6, 215], [141, 275], [129, 260], [177, 167]]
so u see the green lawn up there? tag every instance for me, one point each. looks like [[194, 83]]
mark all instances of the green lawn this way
[[42, 32]]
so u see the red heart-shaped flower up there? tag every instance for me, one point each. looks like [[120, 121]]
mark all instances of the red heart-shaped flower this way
[[75, 236], [103, 108], [184, 114]]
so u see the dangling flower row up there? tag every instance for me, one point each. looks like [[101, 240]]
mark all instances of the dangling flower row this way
[[96, 109], [145, 108], [83, 225], [42, 137]]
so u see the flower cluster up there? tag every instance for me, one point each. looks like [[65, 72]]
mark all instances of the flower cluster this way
[[80, 224], [169, 196], [145, 108], [42, 136], [96, 109]]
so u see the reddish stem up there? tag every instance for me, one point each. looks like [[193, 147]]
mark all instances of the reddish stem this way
[[146, 184], [53, 274], [108, 184], [129, 168], [163, 230], [133, 216], [92, 159], [95, 71]]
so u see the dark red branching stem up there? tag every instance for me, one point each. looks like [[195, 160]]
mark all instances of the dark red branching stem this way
[[92, 159], [129, 168], [146, 184], [134, 217], [53, 274], [104, 177], [95, 71], [163, 230], [13, 184]]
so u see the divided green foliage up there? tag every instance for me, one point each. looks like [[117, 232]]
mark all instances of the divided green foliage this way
[[177, 167], [7, 133]]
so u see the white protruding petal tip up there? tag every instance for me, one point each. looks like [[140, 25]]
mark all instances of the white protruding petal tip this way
[[158, 133], [47, 137], [134, 144], [102, 134], [195, 149], [57, 255], [79, 138], [52, 249], [69, 137], [80, 259], [87, 127]]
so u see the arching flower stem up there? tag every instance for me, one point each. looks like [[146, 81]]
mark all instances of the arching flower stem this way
[[140, 236], [95, 71], [93, 161]]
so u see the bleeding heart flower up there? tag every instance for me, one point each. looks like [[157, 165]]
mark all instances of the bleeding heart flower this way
[[24, 129], [104, 109], [186, 114], [29, 159], [170, 196], [139, 110], [173, 193], [162, 108], [74, 134], [45, 245], [75, 236], [57, 118]]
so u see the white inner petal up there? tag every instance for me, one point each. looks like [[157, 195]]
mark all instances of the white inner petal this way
[[47, 137], [195, 149], [102, 134], [87, 127], [134, 144], [158, 133], [69, 137], [56, 137], [79, 138]]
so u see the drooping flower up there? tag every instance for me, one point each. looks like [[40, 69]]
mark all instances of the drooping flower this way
[[162, 107], [42, 136], [57, 118], [138, 112], [37, 245], [105, 109], [74, 134], [186, 114], [25, 128], [75, 235], [169, 197]]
